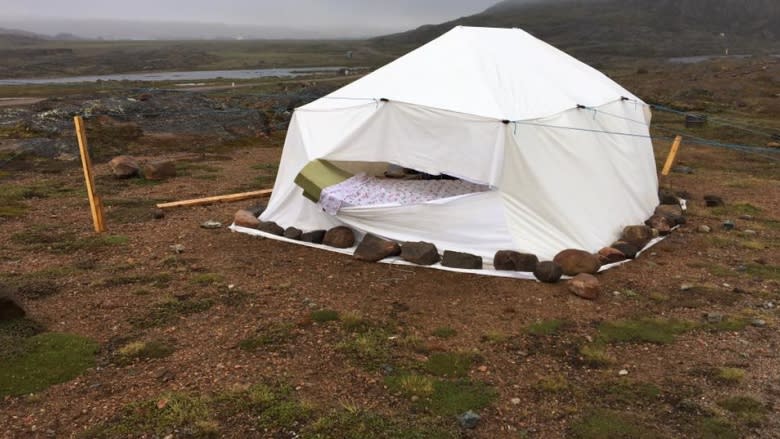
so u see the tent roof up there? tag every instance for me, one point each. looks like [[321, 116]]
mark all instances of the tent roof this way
[[490, 72]]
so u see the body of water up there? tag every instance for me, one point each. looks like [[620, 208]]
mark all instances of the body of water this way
[[200, 75], [702, 58]]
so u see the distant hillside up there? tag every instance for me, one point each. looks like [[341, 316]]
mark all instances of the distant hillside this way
[[641, 28], [15, 37]]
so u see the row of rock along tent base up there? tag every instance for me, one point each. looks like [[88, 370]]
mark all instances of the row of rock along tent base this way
[[563, 151]]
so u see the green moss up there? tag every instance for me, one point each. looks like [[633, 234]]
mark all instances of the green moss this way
[[714, 428], [370, 349], [360, 424], [273, 336], [605, 424], [645, 330], [729, 375], [206, 279], [449, 364], [545, 327], [143, 350], [728, 324], [442, 397], [628, 394], [45, 359], [324, 316], [42, 237], [444, 332], [165, 312]]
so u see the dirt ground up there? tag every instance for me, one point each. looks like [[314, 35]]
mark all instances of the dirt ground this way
[[549, 363]]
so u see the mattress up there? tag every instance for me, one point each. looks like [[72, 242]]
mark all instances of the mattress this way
[[317, 175], [364, 190]]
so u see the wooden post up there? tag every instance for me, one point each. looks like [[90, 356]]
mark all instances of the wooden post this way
[[218, 199], [672, 156], [95, 204]]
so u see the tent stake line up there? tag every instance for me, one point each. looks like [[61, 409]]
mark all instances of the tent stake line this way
[[217, 199]]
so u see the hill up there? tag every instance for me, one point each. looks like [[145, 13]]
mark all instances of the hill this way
[[636, 28]]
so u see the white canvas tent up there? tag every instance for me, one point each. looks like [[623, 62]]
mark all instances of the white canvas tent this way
[[565, 150]]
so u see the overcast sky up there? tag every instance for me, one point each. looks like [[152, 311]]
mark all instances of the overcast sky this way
[[319, 14]]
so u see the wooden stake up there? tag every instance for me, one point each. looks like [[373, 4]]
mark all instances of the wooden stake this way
[[95, 204], [217, 199], [672, 156]]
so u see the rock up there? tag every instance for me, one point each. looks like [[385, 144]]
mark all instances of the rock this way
[[630, 250], [464, 261], [714, 317], [749, 232], [293, 233], [574, 262], [682, 170], [373, 249], [159, 170], [713, 201], [515, 401], [469, 420], [314, 237], [420, 253], [773, 145], [256, 209], [623, 372], [158, 213], [245, 218], [758, 323], [686, 287], [271, 228], [729, 225], [124, 166], [672, 213], [667, 197], [9, 308], [704, 229], [508, 260], [548, 272], [339, 237], [177, 248], [585, 286], [609, 255], [746, 217], [211, 225], [660, 223], [638, 236]]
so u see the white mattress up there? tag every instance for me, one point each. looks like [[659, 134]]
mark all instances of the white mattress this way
[[364, 190]]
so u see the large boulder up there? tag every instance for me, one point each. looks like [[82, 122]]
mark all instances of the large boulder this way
[[661, 223], [245, 218], [548, 272], [9, 308], [639, 236], [159, 170], [271, 228], [585, 286], [339, 237], [420, 253], [628, 249], [124, 166], [574, 262], [465, 261], [508, 260], [609, 255], [373, 249], [314, 237]]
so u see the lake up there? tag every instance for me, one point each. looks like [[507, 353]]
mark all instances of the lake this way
[[199, 75]]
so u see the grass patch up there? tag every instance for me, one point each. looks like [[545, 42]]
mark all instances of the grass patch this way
[[370, 349], [449, 364], [595, 355], [545, 327], [628, 394], [605, 424], [206, 279], [143, 350], [552, 384], [159, 280], [747, 410], [728, 375], [714, 428], [444, 332], [274, 335], [165, 312], [361, 424], [737, 209], [768, 272], [324, 316], [354, 322], [442, 397], [43, 360], [494, 337], [43, 238], [646, 330]]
